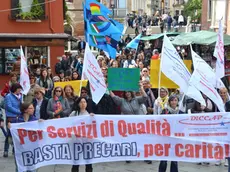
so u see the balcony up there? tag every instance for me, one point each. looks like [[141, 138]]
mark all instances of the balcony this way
[[178, 3]]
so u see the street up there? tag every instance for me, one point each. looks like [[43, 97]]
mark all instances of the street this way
[[7, 165]]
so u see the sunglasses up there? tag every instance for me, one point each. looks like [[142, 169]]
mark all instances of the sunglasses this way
[[83, 92], [145, 71], [58, 91]]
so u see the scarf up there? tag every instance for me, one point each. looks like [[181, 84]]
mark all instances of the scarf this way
[[58, 105], [163, 101], [173, 111]]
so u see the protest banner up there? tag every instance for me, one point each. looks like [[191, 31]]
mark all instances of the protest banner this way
[[75, 84], [123, 79], [86, 139], [165, 82]]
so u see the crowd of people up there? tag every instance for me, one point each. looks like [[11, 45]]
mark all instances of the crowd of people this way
[[165, 21], [44, 101]]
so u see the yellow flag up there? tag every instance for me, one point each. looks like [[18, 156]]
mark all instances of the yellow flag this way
[[74, 84], [165, 82]]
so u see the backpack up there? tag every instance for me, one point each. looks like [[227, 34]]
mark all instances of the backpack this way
[[58, 67]]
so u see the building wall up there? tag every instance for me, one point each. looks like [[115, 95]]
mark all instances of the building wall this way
[[75, 12], [228, 19], [205, 23], [52, 25]]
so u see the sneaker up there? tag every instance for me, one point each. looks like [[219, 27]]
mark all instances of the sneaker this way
[[206, 163], [199, 163], [218, 163], [226, 163], [5, 155], [128, 162]]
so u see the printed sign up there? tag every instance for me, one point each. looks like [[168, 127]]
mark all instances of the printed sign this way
[[123, 79], [86, 139]]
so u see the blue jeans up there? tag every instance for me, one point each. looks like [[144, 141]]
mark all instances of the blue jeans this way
[[6, 144], [228, 164], [163, 166]]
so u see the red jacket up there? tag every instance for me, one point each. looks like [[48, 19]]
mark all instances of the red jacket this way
[[6, 89]]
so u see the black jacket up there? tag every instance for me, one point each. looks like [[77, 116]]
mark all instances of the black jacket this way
[[79, 45], [43, 113], [107, 106]]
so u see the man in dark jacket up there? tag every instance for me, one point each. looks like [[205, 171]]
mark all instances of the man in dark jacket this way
[[40, 104], [128, 39], [81, 44]]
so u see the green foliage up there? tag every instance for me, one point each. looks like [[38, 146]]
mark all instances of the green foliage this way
[[36, 9], [66, 15], [193, 9], [35, 13]]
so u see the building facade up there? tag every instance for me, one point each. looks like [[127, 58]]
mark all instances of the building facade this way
[[212, 12], [41, 36]]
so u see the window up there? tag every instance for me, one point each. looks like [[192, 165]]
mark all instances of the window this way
[[28, 9], [10, 58], [209, 9]]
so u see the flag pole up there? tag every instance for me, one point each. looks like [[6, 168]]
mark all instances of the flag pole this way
[[159, 74]]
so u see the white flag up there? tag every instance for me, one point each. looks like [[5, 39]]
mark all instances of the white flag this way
[[199, 80], [210, 74], [24, 74], [174, 68], [92, 72], [219, 52]]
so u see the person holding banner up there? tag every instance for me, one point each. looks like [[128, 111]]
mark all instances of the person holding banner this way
[[161, 102], [58, 106], [12, 108], [224, 95], [172, 108], [81, 109], [27, 115], [129, 104]]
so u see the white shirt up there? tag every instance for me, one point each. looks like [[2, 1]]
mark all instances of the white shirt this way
[[180, 19]]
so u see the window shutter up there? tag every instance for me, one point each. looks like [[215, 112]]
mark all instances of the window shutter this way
[[14, 4], [43, 5]]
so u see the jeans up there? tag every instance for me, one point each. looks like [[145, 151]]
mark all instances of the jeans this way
[[163, 166], [88, 168], [228, 164], [169, 28], [6, 144]]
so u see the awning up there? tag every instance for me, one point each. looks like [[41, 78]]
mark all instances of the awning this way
[[157, 36], [34, 36], [201, 37]]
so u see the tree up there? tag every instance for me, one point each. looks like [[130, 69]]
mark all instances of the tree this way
[[193, 9]]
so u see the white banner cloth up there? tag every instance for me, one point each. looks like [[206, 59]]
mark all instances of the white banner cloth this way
[[107, 138], [91, 71]]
